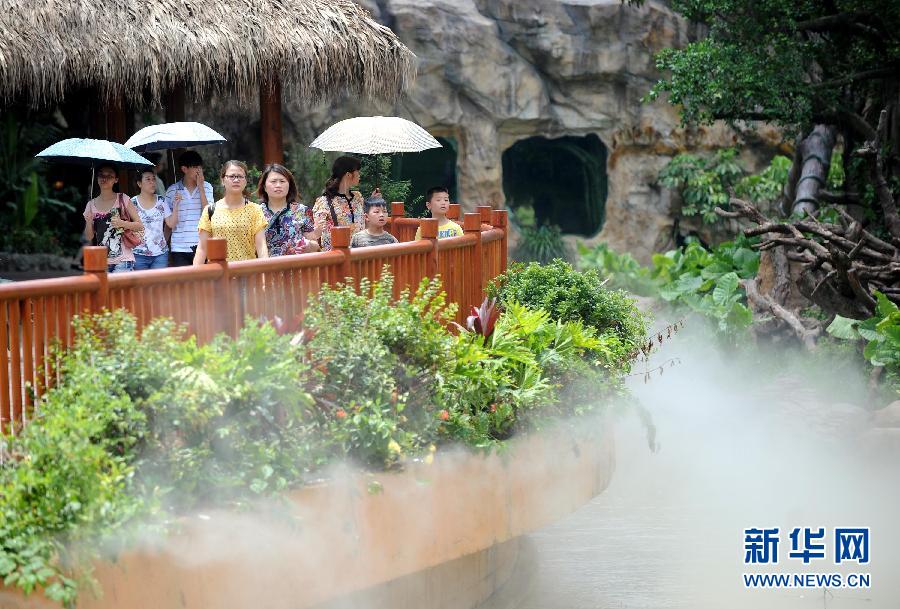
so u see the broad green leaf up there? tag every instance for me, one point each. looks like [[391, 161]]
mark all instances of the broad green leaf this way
[[884, 307], [843, 327], [725, 287]]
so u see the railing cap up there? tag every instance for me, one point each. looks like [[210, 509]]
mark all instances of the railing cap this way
[[340, 236], [429, 228], [472, 222], [95, 260], [217, 249]]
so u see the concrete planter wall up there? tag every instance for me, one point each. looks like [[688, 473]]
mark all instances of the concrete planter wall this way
[[360, 531]]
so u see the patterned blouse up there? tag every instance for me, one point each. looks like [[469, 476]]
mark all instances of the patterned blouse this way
[[154, 239], [348, 213], [285, 229]]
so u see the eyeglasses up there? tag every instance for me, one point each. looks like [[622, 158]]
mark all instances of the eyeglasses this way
[[234, 177], [106, 176]]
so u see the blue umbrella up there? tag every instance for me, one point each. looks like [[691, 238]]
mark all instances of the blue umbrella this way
[[173, 135], [83, 151]]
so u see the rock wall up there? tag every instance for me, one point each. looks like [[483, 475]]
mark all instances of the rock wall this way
[[492, 72]]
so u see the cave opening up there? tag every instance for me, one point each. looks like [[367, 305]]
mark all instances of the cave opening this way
[[560, 181]]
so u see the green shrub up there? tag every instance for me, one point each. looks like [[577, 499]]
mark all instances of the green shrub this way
[[705, 184], [376, 364], [149, 424], [541, 244], [67, 482], [882, 335], [708, 281], [570, 295], [619, 271]]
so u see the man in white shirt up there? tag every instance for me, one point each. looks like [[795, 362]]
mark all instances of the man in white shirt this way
[[187, 198]]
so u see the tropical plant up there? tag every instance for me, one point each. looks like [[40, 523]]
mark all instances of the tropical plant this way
[[706, 184], [540, 244], [32, 213], [619, 271], [376, 361], [807, 68], [311, 169], [376, 172], [145, 424], [708, 281], [881, 333], [570, 295]]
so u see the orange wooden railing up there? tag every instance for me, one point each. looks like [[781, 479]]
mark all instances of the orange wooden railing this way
[[215, 298]]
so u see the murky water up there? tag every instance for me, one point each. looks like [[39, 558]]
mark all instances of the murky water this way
[[739, 448]]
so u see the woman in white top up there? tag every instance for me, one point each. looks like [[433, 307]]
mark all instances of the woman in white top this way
[[153, 253]]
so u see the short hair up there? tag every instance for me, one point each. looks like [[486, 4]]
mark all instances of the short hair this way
[[139, 174], [434, 190], [190, 158], [375, 202]]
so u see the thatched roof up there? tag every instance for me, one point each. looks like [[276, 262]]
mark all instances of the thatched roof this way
[[320, 49]]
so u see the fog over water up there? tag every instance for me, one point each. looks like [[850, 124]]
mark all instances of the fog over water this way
[[749, 445]]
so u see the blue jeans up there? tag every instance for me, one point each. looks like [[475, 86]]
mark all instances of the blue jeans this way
[[142, 262], [121, 267]]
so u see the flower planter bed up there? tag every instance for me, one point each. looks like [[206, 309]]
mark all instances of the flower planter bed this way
[[358, 530]]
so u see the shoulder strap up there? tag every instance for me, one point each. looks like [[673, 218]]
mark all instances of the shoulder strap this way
[[121, 200], [273, 221]]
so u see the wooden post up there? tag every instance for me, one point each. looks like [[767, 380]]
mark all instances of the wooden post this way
[[115, 132], [174, 103], [397, 211], [500, 219], [95, 263], [485, 211], [340, 242], [429, 227], [270, 122], [453, 212], [227, 319], [472, 226]]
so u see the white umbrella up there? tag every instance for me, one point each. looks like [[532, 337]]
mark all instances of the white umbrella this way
[[375, 135], [167, 136], [173, 135]]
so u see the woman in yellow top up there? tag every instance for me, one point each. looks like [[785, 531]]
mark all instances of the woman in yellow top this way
[[235, 218]]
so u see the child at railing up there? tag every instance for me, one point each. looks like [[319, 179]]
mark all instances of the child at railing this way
[[437, 200], [374, 233]]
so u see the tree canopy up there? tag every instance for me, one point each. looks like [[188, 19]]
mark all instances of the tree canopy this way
[[790, 62], [827, 72]]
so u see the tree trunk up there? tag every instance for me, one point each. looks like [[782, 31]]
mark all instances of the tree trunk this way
[[815, 158]]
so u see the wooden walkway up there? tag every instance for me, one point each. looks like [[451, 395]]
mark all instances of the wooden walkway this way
[[215, 298]]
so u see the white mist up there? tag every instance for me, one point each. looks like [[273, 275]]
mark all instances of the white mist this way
[[740, 447]]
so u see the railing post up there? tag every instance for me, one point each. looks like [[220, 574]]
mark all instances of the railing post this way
[[397, 211], [340, 242], [453, 212], [500, 219], [95, 263], [472, 226], [485, 211], [223, 309], [429, 232]]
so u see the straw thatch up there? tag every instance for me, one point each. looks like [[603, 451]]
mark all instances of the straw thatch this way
[[140, 49]]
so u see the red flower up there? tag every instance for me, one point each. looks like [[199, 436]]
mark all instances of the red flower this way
[[445, 416], [340, 413]]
